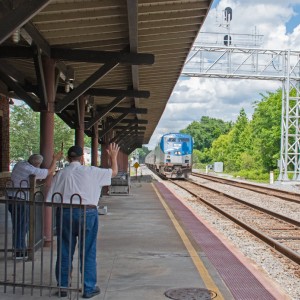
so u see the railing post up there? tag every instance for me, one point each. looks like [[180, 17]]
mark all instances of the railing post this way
[[31, 241]]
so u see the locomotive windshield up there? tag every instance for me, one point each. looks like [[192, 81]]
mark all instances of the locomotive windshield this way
[[176, 145], [171, 140], [183, 139]]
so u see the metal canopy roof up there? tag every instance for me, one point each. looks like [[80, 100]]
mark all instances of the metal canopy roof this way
[[124, 56]]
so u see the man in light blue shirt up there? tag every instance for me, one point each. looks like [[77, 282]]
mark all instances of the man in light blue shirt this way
[[20, 211]]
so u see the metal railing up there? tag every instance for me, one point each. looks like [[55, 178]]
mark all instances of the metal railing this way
[[35, 269]]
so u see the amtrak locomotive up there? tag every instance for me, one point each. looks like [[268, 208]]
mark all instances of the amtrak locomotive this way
[[172, 157]]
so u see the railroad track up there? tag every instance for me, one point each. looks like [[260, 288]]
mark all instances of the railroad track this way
[[280, 232], [285, 195]]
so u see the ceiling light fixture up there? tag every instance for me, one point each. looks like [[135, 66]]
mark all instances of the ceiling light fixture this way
[[16, 36], [67, 87]]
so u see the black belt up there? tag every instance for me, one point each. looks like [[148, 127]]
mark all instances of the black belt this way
[[91, 206], [86, 206]]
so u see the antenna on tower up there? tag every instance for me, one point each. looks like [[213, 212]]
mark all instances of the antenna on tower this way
[[226, 37], [227, 19], [228, 14]]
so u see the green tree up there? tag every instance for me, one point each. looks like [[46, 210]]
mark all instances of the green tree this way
[[206, 131], [266, 124], [221, 150], [142, 154], [202, 157], [252, 145], [233, 148], [240, 141], [238, 135], [197, 156], [25, 133], [63, 133]]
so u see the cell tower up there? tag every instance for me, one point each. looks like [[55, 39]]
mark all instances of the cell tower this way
[[240, 56]]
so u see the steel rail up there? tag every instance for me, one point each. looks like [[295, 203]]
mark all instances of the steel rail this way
[[289, 253], [269, 212], [252, 187]]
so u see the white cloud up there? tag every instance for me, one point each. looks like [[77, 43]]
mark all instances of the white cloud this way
[[223, 98]]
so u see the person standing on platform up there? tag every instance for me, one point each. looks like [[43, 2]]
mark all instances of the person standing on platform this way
[[19, 211], [86, 182]]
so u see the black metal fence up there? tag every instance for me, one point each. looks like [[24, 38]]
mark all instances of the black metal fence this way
[[27, 267]]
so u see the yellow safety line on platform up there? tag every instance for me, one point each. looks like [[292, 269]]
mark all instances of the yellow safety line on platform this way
[[208, 281]]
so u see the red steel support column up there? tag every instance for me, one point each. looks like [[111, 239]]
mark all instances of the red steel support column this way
[[104, 164], [47, 137], [105, 161], [120, 161], [79, 131], [95, 145], [125, 163], [104, 156]]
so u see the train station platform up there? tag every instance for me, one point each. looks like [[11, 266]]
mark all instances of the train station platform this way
[[151, 247]]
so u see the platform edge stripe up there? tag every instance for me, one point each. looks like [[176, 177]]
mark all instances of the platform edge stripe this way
[[271, 286], [204, 274], [268, 284]]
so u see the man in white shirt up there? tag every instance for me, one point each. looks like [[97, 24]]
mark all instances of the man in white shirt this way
[[20, 211], [78, 184]]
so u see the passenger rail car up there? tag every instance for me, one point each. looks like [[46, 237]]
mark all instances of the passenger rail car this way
[[172, 157]]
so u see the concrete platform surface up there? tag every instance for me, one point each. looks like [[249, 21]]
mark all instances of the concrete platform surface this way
[[140, 254]]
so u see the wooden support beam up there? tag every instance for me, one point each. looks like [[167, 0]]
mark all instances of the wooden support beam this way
[[16, 18], [78, 55], [111, 125], [118, 93], [120, 135], [93, 56], [130, 110], [84, 86], [122, 128], [14, 86], [137, 121], [99, 92], [67, 119], [37, 38], [42, 92], [104, 112]]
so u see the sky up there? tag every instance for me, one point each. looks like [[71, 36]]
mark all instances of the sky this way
[[192, 97]]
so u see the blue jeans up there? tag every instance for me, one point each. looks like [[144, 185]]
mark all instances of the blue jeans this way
[[20, 224], [67, 237]]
